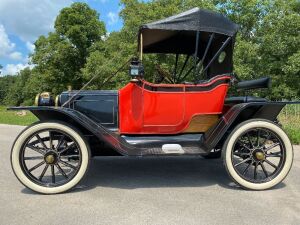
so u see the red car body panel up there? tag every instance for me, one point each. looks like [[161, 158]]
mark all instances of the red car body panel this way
[[146, 108]]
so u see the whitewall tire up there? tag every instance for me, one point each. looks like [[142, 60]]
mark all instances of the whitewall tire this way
[[257, 154], [50, 157]]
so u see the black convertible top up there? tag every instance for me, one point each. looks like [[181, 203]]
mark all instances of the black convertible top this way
[[176, 34], [195, 20], [196, 32]]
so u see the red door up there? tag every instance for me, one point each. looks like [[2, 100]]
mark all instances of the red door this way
[[146, 108], [163, 109]]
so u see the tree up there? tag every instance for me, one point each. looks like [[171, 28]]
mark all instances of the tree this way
[[5, 83], [16, 93], [80, 26], [280, 48], [61, 55], [268, 42]]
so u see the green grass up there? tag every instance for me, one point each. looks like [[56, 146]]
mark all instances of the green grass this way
[[14, 117], [291, 125]]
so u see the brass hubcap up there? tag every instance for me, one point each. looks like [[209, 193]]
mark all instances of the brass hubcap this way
[[260, 156], [50, 159]]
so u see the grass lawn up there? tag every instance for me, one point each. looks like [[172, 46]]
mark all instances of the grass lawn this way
[[291, 124], [15, 117]]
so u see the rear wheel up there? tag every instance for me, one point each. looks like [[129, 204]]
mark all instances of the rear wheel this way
[[258, 154], [50, 157]]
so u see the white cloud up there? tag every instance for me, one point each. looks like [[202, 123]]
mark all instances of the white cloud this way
[[6, 46], [16, 56], [113, 18], [30, 46], [29, 19], [26, 19], [13, 69]]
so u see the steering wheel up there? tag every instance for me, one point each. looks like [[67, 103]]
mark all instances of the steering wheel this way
[[164, 75]]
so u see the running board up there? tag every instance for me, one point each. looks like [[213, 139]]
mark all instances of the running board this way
[[185, 144], [173, 151]]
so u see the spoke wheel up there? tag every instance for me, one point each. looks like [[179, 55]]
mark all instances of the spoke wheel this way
[[52, 160], [258, 154], [50, 157]]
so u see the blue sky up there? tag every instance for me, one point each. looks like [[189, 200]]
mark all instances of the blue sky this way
[[23, 21]]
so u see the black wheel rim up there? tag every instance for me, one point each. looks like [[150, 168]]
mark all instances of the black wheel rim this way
[[258, 155], [50, 158]]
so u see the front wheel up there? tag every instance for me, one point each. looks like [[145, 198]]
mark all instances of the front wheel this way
[[258, 154], [50, 157]]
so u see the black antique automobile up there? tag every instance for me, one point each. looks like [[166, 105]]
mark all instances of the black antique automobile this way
[[172, 118]]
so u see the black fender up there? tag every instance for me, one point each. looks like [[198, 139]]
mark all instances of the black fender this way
[[83, 123], [237, 114]]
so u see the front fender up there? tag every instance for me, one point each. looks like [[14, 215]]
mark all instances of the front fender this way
[[79, 120]]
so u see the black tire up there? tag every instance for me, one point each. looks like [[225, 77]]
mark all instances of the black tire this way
[[247, 158], [63, 143]]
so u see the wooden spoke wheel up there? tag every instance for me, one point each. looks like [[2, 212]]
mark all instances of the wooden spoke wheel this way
[[258, 154], [50, 157]]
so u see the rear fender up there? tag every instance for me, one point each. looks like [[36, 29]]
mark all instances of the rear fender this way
[[237, 114]]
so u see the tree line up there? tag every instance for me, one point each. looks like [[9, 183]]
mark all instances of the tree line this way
[[268, 44]]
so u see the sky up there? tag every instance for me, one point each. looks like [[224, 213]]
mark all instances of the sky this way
[[23, 21]]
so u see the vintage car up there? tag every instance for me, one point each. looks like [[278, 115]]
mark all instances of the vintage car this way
[[172, 118]]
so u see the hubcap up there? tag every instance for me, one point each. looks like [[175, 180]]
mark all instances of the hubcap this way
[[259, 155], [51, 158]]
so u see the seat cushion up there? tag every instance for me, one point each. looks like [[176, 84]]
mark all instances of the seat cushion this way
[[244, 99]]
